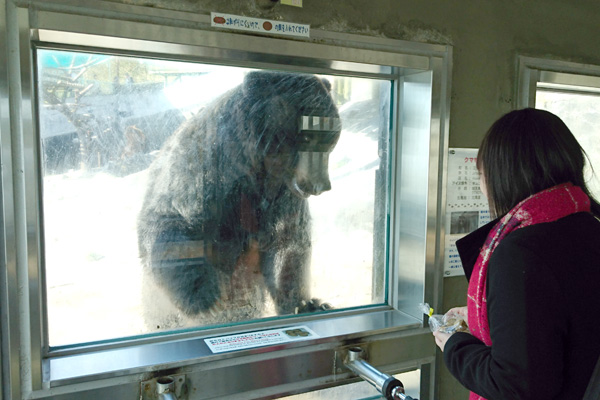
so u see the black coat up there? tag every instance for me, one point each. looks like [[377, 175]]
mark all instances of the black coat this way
[[543, 299]]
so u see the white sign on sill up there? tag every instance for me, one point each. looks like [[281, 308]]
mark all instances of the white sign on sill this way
[[251, 340]]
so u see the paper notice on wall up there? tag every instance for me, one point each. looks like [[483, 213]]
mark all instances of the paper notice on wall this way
[[259, 339], [258, 25], [466, 206]]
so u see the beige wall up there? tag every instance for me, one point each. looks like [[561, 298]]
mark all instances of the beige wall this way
[[486, 35]]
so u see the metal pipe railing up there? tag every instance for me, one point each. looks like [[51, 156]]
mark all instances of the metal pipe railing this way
[[390, 387]]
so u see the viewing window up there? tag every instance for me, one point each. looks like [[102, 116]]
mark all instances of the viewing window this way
[[579, 108], [179, 194], [230, 210]]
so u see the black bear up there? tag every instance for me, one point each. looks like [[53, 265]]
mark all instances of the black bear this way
[[224, 228]]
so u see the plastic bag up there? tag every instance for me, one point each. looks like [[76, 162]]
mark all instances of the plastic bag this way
[[447, 323]]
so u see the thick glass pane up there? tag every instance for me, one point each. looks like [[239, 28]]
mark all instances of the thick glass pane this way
[[581, 113], [180, 195]]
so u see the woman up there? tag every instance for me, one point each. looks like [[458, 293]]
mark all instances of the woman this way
[[534, 273]]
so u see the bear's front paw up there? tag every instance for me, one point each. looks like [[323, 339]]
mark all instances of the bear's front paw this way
[[312, 305]]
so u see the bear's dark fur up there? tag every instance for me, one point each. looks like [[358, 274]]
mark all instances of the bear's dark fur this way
[[225, 226]]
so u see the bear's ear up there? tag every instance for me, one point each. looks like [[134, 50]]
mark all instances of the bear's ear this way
[[262, 80], [268, 82]]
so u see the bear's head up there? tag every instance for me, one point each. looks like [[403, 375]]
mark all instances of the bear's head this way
[[293, 125]]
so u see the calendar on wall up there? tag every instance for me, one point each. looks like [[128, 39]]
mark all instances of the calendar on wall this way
[[466, 206]]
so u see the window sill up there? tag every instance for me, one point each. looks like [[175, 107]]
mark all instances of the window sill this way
[[183, 353]]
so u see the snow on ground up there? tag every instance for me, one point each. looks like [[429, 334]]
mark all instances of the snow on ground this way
[[93, 272]]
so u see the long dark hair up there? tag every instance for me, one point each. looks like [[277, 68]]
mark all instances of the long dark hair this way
[[525, 152]]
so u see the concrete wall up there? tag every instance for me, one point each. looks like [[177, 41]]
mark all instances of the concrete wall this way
[[486, 35]]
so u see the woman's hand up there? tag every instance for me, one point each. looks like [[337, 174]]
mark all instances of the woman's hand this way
[[460, 312], [441, 338]]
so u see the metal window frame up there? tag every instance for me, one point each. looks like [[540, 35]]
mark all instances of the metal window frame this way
[[393, 334], [557, 75]]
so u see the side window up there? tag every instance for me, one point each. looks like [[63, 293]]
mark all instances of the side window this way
[[571, 91], [579, 108]]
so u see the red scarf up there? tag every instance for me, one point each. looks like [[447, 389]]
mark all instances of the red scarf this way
[[546, 206]]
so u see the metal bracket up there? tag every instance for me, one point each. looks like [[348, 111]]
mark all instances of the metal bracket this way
[[150, 389]]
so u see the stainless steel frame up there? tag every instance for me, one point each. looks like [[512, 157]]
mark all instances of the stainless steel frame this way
[[393, 334], [554, 75]]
